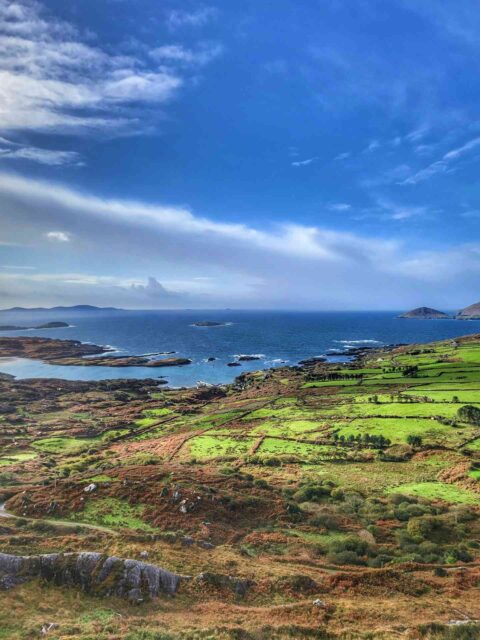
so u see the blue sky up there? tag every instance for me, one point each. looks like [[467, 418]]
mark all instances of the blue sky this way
[[319, 155]]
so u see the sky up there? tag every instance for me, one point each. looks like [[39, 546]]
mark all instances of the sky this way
[[310, 155]]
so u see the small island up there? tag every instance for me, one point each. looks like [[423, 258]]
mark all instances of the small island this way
[[425, 313], [47, 325], [469, 313]]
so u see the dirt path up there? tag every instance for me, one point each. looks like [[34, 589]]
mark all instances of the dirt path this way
[[59, 523]]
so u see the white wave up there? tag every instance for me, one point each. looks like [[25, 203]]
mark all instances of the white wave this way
[[249, 355], [367, 341]]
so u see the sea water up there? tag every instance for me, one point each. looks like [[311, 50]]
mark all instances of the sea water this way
[[276, 337]]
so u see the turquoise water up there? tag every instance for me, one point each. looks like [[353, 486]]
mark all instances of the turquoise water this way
[[277, 337]]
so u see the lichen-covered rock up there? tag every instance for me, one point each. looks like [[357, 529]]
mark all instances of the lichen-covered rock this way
[[94, 573], [219, 581]]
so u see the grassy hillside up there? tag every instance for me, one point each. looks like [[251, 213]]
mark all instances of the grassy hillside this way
[[345, 498]]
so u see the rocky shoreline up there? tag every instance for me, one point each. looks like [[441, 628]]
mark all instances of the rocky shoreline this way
[[76, 353]]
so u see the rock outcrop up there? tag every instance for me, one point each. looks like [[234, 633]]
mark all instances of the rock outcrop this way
[[469, 313], [425, 313], [93, 573]]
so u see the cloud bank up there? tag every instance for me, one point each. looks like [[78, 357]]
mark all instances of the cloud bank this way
[[210, 262]]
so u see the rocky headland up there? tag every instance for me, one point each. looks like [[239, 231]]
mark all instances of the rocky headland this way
[[425, 313], [469, 313]]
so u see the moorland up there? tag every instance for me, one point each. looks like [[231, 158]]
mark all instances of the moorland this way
[[328, 501]]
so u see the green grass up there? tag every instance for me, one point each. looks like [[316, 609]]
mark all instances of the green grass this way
[[98, 479], [330, 383], [15, 458], [113, 512], [474, 445], [398, 429], [63, 444], [464, 396], [286, 428], [207, 446], [272, 446], [394, 409], [284, 413], [163, 411], [438, 491]]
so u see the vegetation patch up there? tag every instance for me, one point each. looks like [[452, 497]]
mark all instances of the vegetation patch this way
[[113, 512], [438, 491]]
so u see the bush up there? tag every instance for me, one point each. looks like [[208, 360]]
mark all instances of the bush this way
[[311, 493], [345, 557], [326, 521], [406, 510], [352, 543], [469, 413], [261, 483], [414, 441]]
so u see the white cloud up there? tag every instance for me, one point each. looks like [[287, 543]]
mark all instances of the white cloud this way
[[153, 288], [304, 163], [58, 236], [340, 206], [178, 18], [17, 267], [52, 78], [175, 53], [290, 265], [400, 212], [42, 156], [443, 165]]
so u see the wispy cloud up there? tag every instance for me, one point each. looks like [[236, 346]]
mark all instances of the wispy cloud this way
[[442, 165], [340, 206], [401, 212], [42, 156], [52, 78], [290, 264], [343, 156], [181, 55], [58, 236], [304, 163], [178, 18]]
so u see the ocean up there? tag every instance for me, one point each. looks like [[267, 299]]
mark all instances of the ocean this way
[[277, 337]]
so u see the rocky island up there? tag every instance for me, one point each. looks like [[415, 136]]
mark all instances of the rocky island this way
[[208, 323], [425, 313], [469, 313]]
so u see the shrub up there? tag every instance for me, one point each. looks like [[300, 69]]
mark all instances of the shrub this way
[[325, 521], [261, 483], [469, 413], [414, 441], [345, 557], [311, 493]]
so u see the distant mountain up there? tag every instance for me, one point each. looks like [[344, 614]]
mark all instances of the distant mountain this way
[[425, 313], [469, 313], [79, 308]]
